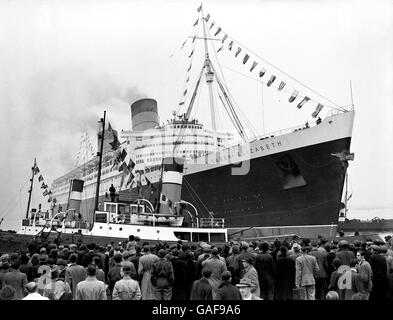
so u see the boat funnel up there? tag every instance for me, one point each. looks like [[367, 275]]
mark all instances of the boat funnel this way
[[75, 195], [172, 177], [144, 115]]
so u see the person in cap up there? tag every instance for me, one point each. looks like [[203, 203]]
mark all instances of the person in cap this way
[[61, 265], [145, 267], [306, 268], [226, 290], [285, 280], [162, 277], [179, 273], [75, 273], [114, 272], [344, 254], [266, 269], [91, 288], [234, 265], [100, 274], [245, 286], [15, 279], [365, 273], [249, 272], [217, 267], [32, 292], [321, 277], [56, 287], [26, 267], [379, 267], [126, 288]]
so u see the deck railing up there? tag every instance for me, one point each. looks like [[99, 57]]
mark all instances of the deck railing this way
[[211, 222]]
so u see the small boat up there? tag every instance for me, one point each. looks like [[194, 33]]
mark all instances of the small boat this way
[[172, 219]]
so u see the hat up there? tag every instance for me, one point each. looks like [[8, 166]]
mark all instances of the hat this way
[[245, 282], [61, 262], [43, 259], [5, 256], [161, 253], [54, 274], [215, 251], [43, 249]]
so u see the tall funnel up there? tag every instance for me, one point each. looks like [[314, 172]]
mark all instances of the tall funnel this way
[[75, 195], [144, 115], [172, 177]]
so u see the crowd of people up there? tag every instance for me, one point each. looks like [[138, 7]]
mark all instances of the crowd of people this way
[[239, 270]]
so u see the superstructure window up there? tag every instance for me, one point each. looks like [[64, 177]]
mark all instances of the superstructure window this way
[[290, 172]]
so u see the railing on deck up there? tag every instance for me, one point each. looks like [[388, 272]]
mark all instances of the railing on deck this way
[[211, 222]]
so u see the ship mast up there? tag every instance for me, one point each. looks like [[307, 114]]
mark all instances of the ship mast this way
[[31, 188], [101, 137], [209, 76]]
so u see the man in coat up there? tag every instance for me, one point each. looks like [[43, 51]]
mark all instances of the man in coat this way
[[379, 268], [145, 266], [365, 273], [201, 289], [179, 271], [162, 277], [321, 277], [285, 280], [91, 288], [74, 274], [114, 272], [217, 267], [266, 269], [15, 279], [227, 291], [306, 268]]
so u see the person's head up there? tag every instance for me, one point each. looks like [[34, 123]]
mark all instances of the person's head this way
[[146, 248], [283, 250], [97, 262], [175, 252], [360, 255], [235, 249], [91, 269], [353, 263], [15, 264], [226, 276], [215, 252], [131, 238], [247, 261], [73, 258], [125, 271], [31, 287], [245, 287], [327, 247], [61, 263], [296, 247], [332, 295], [206, 272], [161, 253], [24, 259], [118, 258], [264, 246], [336, 263]]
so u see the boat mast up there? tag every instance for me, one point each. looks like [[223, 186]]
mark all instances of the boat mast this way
[[209, 75], [31, 188], [101, 137], [346, 193]]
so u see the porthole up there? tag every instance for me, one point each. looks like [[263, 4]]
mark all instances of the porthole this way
[[120, 229], [110, 228], [158, 231], [138, 230], [100, 227]]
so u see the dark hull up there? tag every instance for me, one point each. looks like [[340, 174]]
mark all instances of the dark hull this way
[[259, 199]]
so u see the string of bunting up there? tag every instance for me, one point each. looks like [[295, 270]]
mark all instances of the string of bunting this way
[[47, 192], [260, 70]]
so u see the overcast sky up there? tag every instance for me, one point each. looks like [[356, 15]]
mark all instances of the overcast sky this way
[[62, 63]]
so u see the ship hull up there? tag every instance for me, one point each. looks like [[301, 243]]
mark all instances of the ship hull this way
[[260, 200]]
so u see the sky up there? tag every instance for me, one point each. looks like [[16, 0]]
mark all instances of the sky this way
[[62, 63]]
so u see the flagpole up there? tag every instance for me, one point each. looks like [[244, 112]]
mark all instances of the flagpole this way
[[31, 188], [102, 120]]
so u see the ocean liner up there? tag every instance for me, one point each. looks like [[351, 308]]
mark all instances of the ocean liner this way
[[285, 183]]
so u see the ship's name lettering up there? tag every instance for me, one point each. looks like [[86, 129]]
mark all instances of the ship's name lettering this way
[[264, 147]]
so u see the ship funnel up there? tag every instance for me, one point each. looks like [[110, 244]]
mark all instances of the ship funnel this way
[[172, 177], [75, 195], [144, 115]]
